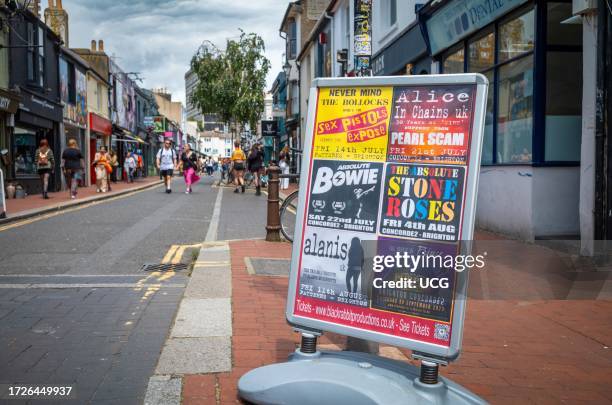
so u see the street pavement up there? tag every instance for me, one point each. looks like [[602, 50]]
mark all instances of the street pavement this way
[[76, 306]]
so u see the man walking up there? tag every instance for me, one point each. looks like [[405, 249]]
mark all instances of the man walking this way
[[166, 163]]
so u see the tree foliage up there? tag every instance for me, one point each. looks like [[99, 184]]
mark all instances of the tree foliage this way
[[231, 83]]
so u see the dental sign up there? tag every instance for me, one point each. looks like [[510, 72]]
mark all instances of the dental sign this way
[[386, 209]]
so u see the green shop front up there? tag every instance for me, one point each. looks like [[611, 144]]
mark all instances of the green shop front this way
[[532, 57]]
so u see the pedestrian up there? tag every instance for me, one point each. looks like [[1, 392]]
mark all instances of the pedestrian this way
[[284, 166], [189, 165], [255, 164], [72, 165], [139, 164], [45, 165], [209, 166], [238, 166], [114, 162], [103, 169], [167, 162], [129, 165]]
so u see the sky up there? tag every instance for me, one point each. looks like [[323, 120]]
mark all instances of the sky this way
[[158, 37]]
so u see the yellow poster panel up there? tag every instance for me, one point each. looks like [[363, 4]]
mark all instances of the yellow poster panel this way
[[352, 123]]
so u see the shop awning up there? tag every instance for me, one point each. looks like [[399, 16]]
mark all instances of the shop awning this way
[[131, 138]]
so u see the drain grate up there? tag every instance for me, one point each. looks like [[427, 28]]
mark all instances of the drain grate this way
[[164, 267]]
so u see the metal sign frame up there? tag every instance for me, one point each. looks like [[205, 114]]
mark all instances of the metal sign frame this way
[[452, 351]]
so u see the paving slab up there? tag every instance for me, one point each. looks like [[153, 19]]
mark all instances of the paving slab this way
[[196, 356], [214, 282], [163, 390], [203, 318]]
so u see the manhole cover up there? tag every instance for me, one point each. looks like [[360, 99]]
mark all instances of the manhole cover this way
[[164, 267]]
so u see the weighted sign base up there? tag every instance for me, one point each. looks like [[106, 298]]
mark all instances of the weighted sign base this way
[[347, 378]]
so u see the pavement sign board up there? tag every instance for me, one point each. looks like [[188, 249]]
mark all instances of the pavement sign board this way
[[390, 174]]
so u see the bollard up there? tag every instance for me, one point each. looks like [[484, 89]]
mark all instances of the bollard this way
[[273, 225]]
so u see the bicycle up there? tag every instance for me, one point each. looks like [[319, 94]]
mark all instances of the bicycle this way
[[289, 206]]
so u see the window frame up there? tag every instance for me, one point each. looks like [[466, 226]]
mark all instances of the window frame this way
[[538, 53]]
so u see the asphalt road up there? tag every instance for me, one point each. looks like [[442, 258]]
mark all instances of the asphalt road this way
[[76, 306]]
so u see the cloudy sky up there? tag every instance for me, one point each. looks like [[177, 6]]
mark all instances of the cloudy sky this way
[[159, 37]]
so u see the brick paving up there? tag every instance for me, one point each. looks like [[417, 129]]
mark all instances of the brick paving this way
[[517, 348], [18, 206]]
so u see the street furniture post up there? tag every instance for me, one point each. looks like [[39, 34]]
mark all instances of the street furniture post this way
[[273, 225]]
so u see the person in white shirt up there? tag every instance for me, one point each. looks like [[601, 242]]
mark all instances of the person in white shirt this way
[[129, 166], [167, 162]]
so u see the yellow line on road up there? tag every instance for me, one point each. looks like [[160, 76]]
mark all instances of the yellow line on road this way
[[170, 254], [179, 255]]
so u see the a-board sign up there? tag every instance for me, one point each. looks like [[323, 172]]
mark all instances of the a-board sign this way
[[389, 174]]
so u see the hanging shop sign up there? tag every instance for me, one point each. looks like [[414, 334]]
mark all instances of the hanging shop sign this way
[[386, 213], [159, 124], [269, 128]]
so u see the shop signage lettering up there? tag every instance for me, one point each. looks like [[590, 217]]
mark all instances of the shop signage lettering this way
[[459, 18], [401, 189]]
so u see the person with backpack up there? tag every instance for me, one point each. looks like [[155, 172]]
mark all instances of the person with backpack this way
[[255, 163], [166, 163], [45, 163]]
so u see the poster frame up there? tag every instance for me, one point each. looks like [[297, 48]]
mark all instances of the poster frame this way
[[452, 351]]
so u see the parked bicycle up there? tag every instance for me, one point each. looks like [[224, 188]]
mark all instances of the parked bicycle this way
[[289, 206]]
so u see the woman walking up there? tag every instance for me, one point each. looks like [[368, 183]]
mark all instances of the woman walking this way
[[238, 160], [73, 165], [103, 168], [114, 162], [189, 165], [45, 163], [255, 163], [129, 165]]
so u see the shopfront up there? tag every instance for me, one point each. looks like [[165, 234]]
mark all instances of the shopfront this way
[[533, 61], [37, 118], [100, 130], [407, 54], [9, 104]]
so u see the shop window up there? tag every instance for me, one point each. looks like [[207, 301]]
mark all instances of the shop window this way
[[517, 36], [453, 63], [25, 150], [515, 112], [558, 33], [563, 106], [481, 53]]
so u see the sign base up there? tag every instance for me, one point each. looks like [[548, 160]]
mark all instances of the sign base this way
[[347, 378]]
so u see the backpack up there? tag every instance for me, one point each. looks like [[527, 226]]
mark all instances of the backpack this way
[[43, 159], [161, 153]]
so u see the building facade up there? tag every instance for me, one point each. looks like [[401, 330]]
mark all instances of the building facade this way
[[9, 104], [34, 63], [100, 127]]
